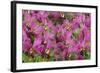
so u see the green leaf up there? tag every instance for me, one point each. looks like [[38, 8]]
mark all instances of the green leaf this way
[[72, 56], [69, 16], [38, 58], [24, 58], [51, 58], [75, 33], [86, 54], [51, 52], [51, 55], [31, 36]]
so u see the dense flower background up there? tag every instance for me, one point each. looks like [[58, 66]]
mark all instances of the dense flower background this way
[[55, 36]]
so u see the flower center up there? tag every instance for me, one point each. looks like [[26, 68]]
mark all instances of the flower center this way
[[68, 27]]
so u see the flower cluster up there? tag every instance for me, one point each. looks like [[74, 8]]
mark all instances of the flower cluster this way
[[55, 36]]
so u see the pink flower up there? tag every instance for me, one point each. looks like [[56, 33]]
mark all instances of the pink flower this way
[[26, 42]]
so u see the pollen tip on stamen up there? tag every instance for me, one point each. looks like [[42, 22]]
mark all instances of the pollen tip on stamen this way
[[31, 51], [69, 55], [27, 24], [47, 51], [62, 14], [46, 28], [82, 49], [45, 42]]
